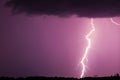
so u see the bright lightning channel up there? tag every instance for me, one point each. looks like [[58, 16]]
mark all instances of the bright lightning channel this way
[[114, 22], [84, 58]]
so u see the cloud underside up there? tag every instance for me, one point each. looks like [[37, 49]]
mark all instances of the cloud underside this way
[[81, 8]]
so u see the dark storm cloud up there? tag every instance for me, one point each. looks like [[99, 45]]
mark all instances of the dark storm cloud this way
[[82, 8]]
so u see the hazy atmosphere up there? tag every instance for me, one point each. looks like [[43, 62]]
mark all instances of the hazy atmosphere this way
[[36, 43]]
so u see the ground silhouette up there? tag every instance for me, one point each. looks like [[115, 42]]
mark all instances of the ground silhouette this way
[[115, 77]]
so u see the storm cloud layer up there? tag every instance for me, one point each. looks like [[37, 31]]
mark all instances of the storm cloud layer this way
[[81, 8]]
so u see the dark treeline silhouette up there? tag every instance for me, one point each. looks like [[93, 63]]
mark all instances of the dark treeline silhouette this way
[[115, 77]]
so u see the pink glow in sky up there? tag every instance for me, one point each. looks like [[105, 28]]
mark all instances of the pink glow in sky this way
[[53, 46]]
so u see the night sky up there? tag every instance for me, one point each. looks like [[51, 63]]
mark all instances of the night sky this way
[[47, 38]]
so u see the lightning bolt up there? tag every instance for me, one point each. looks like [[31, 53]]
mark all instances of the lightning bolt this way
[[84, 58], [114, 22]]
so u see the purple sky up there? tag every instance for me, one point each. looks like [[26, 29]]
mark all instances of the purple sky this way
[[53, 46]]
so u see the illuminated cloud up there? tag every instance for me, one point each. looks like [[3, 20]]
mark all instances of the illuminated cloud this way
[[81, 8]]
